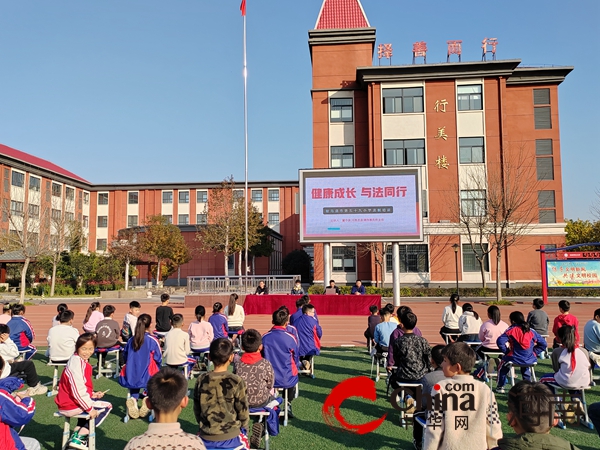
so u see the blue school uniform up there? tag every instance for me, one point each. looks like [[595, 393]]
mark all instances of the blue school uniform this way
[[280, 348], [310, 334], [220, 325], [142, 364]]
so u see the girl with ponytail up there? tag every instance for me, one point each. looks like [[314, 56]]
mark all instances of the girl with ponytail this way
[[92, 317], [490, 331], [450, 317], [469, 324], [521, 345], [143, 358]]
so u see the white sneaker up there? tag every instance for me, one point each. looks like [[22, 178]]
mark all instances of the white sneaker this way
[[132, 408], [39, 389]]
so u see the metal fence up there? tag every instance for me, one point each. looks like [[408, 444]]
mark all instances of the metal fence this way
[[240, 285]]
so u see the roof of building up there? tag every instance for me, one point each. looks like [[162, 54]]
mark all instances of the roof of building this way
[[341, 14], [34, 161]]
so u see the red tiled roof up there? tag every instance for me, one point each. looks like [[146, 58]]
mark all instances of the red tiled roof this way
[[38, 162], [341, 14]]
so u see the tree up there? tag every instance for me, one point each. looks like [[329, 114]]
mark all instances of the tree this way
[[162, 241], [264, 247], [582, 231], [297, 262], [126, 248], [378, 250], [29, 229]]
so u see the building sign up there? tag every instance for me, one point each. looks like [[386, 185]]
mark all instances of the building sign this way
[[573, 274], [360, 205]]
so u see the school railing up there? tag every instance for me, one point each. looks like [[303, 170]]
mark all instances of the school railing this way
[[241, 285]]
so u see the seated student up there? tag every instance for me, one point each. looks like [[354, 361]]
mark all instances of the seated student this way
[[5, 314], [21, 331], [201, 332], [163, 315], [92, 317], [304, 300], [469, 324], [130, 320], [167, 397], [372, 321], [177, 346], [280, 348], [450, 317], [261, 289], [429, 380], [22, 369], [383, 331], [398, 331], [108, 331], [530, 414], [258, 374], [411, 353], [220, 402], [538, 319], [16, 410], [289, 327], [235, 318], [491, 330], [309, 334], [297, 289], [62, 338], [564, 318], [393, 318], [59, 308], [591, 337], [358, 288], [218, 320], [520, 345], [481, 427]]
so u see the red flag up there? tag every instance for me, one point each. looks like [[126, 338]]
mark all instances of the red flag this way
[[243, 7]]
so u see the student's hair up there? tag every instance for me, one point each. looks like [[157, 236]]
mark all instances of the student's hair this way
[[469, 308], [564, 305], [220, 351], [530, 404], [166, 388], [93, 307], [164, 297], [460, 353], [304, 300], [454, 299], [251, 340], [538, 303], [84, 339], [177, 320], [358, 281], [280, 317], [66, 316], [284, 308], [199, 312], [384, 311], [596, 313], [143, 324], [437, 354], [518, 319], [409, 320], [217, 306], [4, 328], [59, 309], [494, 314], [566, 334], [331, 281], [307, 307], [134, 304], [232, 302], [373, 309], [108, 310], [403, 310], [296, 281], [390, 307], [17, 309], [6, 307]]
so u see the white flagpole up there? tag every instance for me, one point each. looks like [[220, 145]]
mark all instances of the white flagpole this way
[[245, 149]]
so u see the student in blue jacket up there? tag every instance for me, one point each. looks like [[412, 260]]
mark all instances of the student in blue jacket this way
[[143, 359], [219, 322], [21, 331], [310, 334]]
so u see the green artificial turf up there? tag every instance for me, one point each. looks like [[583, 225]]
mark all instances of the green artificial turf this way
[[307, 431]]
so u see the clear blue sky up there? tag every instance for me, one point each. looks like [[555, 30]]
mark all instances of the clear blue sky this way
[[151, 91]]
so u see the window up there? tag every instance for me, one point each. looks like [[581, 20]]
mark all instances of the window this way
[[469, 97], [102, 221], [80, 200], [543, 147], [201, 196], [86, 221], [342, 156], [546, 203], [103, 198], [238, 194], [405, 100], [470, 262], [184, 196], [18, 179], [169, 218], [6, 182], [201, 219], [34, 184], [273, 219], [547, 216], [542, 111], [340, 110], [56, 214], [69, 216], [545, 168], [413, 259], [273, 195], [183, 219], [132, 221], [101, 245], [343, 259], [472, 203], [541, 96], [167, 197], [16, 208], [404, 152], [133, 198], [69, 193], [257, 195], [471, 150], [34, 211], [86, 198], [56, 190]]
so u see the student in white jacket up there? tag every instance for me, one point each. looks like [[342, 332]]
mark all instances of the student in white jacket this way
[[450, 317], [62, 338], [469, 324]]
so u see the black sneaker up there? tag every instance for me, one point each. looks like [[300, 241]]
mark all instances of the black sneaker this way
[[289, 410], [256, 437]]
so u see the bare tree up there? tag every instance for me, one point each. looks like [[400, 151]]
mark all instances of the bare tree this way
[[378, 251], [126, 248], [595, 208]]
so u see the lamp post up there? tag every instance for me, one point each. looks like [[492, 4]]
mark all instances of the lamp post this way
[[456, 247]]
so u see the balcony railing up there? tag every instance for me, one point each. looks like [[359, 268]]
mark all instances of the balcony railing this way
[[241, 285]]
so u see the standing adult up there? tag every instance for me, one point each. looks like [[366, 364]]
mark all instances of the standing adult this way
[[261, 289], [358, 289]]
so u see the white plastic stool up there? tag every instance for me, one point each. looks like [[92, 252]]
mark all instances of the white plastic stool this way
[[67, 429]]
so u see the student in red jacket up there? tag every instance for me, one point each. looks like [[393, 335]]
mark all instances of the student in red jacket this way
[[564, 318]]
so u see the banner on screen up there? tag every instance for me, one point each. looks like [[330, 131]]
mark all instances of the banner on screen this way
[[573, 274], [360, 205]]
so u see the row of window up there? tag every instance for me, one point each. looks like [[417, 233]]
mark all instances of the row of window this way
[[182, 219], [201, 196], [18, 180]]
